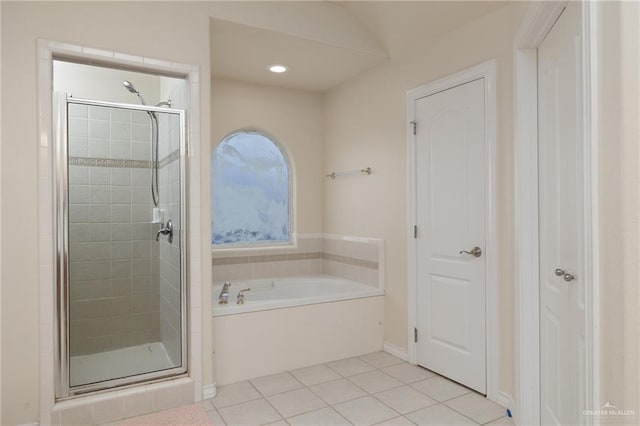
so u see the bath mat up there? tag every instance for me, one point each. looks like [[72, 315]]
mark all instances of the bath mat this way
[[189, 415]]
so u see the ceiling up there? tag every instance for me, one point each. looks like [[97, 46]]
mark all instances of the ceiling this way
[[244, 52], [327, 43], [400, 25]]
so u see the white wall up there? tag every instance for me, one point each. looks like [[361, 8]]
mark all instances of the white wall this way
[[618, 109], [364, 125], [104, 84], [0, 227], [173, 33], [294, 119]]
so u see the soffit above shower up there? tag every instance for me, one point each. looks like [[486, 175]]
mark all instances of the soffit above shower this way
[[244, 52]]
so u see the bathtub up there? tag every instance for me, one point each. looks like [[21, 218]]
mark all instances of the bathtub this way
[[275, 293], [290, 323]]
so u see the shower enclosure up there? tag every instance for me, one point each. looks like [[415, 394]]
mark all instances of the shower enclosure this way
[[121, 240]]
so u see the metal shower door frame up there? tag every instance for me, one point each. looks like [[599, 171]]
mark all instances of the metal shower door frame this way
[[63, 389]]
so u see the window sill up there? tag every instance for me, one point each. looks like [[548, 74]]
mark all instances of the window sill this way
[[252, 249]]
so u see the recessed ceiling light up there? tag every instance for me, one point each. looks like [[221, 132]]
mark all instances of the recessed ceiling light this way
[[278, 68]]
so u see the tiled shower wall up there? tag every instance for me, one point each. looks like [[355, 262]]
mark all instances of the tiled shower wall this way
[[357, 259], [114, 295]]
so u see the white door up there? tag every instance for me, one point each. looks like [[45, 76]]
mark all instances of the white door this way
[[560, 142], [450, 165]]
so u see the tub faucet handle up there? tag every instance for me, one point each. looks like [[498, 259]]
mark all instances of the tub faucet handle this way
[[240, 300], [223, 298]]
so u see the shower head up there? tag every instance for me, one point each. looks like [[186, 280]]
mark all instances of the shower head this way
[[127, 85]]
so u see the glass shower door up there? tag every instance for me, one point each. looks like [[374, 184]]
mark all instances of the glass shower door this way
[[122, 283]]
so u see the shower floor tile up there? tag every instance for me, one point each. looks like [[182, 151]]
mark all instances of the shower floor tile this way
[[93, 368]]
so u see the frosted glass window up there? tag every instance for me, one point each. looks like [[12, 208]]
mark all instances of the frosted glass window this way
[[250, 184]]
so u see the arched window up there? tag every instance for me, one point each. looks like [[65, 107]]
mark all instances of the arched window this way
[[250, 185]]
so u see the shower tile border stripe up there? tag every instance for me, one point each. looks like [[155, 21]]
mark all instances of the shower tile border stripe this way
[[350, 261], [121, 163], [109, 162], [239, 260]]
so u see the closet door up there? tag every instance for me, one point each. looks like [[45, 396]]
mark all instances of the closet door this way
[[562, 333], [451, 170]]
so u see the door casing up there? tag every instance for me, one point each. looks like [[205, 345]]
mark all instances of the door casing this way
[[486, 70], [538, 21], [48, 50]]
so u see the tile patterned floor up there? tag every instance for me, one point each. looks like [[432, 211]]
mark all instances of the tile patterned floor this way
[[374, 389]]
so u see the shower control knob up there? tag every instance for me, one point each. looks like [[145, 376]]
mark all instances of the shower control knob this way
[[166, 230]]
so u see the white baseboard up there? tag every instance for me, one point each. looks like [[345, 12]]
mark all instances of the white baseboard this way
[[209, 391], [396, 351], [506, 401]]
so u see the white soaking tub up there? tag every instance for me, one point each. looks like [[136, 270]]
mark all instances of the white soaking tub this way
[[274, 293], [290, 323]]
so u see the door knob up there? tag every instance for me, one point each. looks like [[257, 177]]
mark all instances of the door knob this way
[[475, 252], [565, 275]]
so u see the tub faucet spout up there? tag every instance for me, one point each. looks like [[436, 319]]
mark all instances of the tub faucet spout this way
[[223, 298], [240, 299]]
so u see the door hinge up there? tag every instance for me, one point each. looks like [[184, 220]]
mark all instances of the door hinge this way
[[414, 125], [415, 335], [415, 231]]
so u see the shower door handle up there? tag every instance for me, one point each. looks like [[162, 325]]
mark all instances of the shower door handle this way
[[166, 230]]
